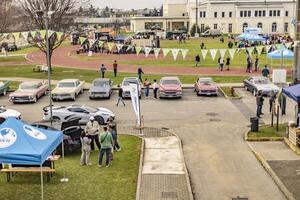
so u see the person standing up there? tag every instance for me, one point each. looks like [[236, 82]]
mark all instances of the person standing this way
[[85, 149], [259, 104], [197, 60], [228, 62], [221, 63], [155, 88], [115, 66], [106, 141], [256, 63], [147, 87], [120, 96], [92, 130], [272, 98], [103, 70], [140, 72], [265, 72]]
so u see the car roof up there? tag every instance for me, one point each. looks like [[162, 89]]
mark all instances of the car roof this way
[[68, 80], [170, 78], [101, 79], [205, 78], [259, 77], [128, 78]]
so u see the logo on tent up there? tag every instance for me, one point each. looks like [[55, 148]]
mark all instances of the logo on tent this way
[[34, 133], [7, 137]]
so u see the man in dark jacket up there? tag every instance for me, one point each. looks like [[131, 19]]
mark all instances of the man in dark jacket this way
[[120, 97], [259, 104], [197, 60], [140, 72]]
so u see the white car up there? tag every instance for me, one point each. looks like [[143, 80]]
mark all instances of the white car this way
[[62, 113], [259, 83], [6, 113], [67, 89], [126, 86]]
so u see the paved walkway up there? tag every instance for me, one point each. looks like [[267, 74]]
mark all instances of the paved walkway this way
[[62, 57]]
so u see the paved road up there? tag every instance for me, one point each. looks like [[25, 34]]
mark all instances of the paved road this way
[[220, 163]]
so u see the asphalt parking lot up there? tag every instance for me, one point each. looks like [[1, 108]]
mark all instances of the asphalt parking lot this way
[[220, 163]]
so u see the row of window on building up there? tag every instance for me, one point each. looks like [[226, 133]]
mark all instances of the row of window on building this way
[[247, 13], [245, 25]]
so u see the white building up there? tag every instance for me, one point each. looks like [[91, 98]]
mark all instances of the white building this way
[[229, 16]]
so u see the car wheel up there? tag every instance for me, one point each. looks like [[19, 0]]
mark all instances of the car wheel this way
[[100, 120]]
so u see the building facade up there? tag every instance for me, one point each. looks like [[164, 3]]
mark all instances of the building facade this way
[[229, 16]]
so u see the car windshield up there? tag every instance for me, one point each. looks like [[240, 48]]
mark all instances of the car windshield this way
[[28, 86], [91, 110], [262, 81], [170, 82], [206, 81], [101, 83], [66, 85], [127, 82]]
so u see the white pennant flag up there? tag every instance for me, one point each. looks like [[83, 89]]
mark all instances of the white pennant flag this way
[[288, 45], [110, 45], [184, 53], [268, 47], [25, 35], [156, 52], [138, 50], [232, 53], [259, 50], [147, 51], [175, 53], [204, 53], [250, 50], [166, 51], [223, 52], [119, 47], [213, 53], [129, 48]]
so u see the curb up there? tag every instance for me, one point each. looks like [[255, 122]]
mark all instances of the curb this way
[[261, 139], [273, 175]]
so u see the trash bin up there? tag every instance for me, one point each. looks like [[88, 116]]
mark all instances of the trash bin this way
[[254, 124]]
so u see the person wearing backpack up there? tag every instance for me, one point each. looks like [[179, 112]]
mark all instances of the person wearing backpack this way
[[106, 141]]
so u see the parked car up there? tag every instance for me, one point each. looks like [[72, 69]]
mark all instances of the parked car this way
[[260, 83], [101, 88], [62, 113], [206, 86], [67, 89], [29, 92], [11, 46], [6, 113], [211, 33], [170, 87], [4, 87], [126, 86]]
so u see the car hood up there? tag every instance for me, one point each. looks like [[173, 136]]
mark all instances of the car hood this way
[[267, 87], [10, 113], [170, 87], [21, 92], [105, 111], [100, 89], [63, 90]]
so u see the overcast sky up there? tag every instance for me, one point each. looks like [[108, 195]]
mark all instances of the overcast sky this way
[[128, 4]]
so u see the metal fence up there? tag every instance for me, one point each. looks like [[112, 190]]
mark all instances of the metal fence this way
[[145, 131]]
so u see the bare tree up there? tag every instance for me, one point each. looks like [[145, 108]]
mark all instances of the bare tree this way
[[5, 9]]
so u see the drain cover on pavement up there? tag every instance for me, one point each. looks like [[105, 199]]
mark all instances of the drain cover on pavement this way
[[212, 114], [239, 198], [169, 195], [215, 120]]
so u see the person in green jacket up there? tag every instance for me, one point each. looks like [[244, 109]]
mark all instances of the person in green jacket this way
[[106, 141]]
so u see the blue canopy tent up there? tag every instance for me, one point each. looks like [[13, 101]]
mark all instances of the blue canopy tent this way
[[282, 53], [292, 92], [254, 38], [242, 36], [23, 144], [119, 38]]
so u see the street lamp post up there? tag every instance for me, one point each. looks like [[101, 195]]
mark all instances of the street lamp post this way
[[297, 46]]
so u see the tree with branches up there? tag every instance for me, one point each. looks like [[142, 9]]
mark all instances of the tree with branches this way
[[5, 10]]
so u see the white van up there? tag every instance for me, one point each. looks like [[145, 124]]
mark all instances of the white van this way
[[211, 32]]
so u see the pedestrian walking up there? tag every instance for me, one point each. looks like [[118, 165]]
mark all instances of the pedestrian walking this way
[[106, 141], [140, 72], [197, 60], [256, 63], [259, 104], [103, 70], [155, 88], [85, 149], [228, 63], [147, 87], [120, 96], [115, 66], [92, 130], [221, 63], [265, 72]]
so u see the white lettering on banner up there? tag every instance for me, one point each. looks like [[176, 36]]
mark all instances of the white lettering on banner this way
[[147, 51], [223, 52], [204, 53], [156, 52], [119, 47], [7, 137], [134, 93], [184, 53], [232, 53], [213, 53], [175, 53], [165, 52], [35, 133]]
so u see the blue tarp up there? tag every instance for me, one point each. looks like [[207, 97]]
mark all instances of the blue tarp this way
[[23, 144], [252, 37], [292, 92], [283, 53]]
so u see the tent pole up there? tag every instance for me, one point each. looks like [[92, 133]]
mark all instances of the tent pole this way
[[64, 179], [42, 183]]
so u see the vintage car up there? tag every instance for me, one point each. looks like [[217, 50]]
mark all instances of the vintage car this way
[[170, 87], [260, 83], [101, 88], [126, 86], [67, 89], [206, 86], [61, 113], [4, 87], [6, 113], [29, 92]]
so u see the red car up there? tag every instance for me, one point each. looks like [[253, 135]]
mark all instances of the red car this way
[[206, 86], [170, 87]]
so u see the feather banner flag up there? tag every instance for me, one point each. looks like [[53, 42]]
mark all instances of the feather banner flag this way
[[184, 53], [213, 53], [175, 53]]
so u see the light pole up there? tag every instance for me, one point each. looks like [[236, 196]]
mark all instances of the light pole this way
[[196, 25], [46, 15], [297, 46]]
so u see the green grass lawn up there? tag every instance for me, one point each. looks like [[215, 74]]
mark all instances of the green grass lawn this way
[[89, 75], [12, 59], [268, 131], [118, 182]]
